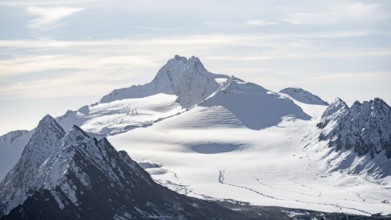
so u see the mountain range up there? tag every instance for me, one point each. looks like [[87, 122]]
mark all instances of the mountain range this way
[[74, 176], [204, 135]]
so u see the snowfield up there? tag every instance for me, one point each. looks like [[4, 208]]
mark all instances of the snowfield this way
[[218, 137], [208, 153], [122, 115]]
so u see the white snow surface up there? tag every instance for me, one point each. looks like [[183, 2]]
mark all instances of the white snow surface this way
[[254, 106], [11, 147], [218, 137], [122, 115], [32, 169], [207, 152], [49, 158], [363, 129], [303, 96], [186, 78]]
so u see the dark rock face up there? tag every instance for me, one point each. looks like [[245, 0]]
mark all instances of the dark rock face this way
[[86, 178], [365, 127]]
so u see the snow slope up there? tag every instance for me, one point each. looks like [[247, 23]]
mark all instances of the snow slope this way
[[207, 152], [122, 115], [74, 176], [185, 78], [360, 135], [11, 147], [129, 108], [28, 174], [219, 137], [253, 105], [303, 96]]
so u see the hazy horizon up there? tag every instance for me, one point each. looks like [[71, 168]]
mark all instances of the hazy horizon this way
[[62, 55]]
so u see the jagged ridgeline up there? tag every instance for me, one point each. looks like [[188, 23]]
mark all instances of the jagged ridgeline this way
[[364, 127], [196, 132], [74, 176]]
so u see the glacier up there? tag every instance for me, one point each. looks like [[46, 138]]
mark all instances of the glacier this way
[[215, 136]]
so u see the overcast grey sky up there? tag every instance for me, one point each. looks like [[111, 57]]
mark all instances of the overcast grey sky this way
[[59, 55]]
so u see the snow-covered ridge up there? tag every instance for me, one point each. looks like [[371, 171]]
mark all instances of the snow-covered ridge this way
[[11, 147], [51, 158], [179, 85], [235, 126], [256, 107], [303, 96], [331, 116], [78, 176], [11, 136], [360, 137], [44, 142], [186, 78], [364, 127]]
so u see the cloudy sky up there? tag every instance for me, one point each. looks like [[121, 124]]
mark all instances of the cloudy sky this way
[[59, 55]]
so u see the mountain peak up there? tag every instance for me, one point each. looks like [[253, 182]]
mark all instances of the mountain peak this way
[[303, 96], [47, 132], [236, 85], [45, 141], [338, 100], [75, 135], [182, 59], [186, 78], [375, 103], [370, 108], [49, 121], [364, 127], [89, 179], [379, 101], [333, 113], [339, 103], [177, 68]]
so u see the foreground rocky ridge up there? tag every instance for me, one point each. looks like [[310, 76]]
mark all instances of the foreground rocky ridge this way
[[185, 95], [70, 175], [73, 176]]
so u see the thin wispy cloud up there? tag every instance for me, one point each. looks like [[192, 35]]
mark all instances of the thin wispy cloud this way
[[73, 48], [48, 17], [257, 23], [119, 62], [41, 2], [332, 14]]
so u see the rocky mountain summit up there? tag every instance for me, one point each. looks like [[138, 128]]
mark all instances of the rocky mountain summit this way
[[70, 175], [73, 176], [186, 78], [364, 127], [178, 124]]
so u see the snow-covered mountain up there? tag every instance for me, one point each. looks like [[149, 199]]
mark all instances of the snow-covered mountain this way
[[74, 176], [254, 106], [186, 78], [331, 116], [11, 147], [179, 85], [11, 137], [303, 96], [365, 129], [216, 136], [44, 142]]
